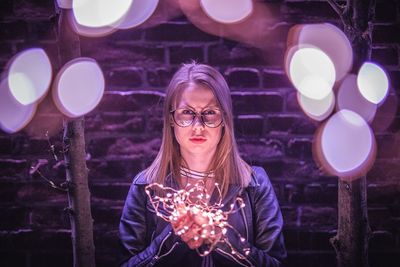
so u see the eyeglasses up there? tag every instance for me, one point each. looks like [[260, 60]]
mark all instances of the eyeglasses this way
[[184, 117]]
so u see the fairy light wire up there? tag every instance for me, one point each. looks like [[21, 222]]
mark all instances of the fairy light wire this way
[[172, 204]]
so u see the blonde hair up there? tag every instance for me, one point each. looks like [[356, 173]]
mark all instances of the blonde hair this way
[[228, 166]]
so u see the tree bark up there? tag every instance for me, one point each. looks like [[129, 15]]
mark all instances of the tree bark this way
[[351, 241], [75, 160]]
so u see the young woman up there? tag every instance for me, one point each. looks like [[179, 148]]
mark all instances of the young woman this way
[[198, 144]]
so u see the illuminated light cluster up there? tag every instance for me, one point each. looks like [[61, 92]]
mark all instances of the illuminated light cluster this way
[[13, 115], [227, 11], [173, 205], [77, 89], [96, 18], [317, 61], [345, 145]]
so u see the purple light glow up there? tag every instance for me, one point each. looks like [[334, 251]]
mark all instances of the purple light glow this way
[[349, 97], [311, 71], [29, 76], [78, 87], [373, 82], [227, 11], [13, 115], [345, 145]]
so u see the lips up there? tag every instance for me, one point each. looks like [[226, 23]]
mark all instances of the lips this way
[[198, 140]]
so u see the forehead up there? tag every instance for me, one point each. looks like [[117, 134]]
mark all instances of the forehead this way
[[197, 96]]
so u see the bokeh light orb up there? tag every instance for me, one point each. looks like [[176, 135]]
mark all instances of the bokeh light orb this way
[[332, 41], [138, 13], [350, 98], [227, 11], [317, 109], [29, 75], [78, 87], [99, 13], [311, 72], [345, 145], [13, 115], [372, 82]]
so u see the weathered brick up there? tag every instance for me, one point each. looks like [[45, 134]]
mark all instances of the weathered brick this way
[[42, 30], [379, 217], [6, 9], [385, 56], [242, 78], [290, 216], [106, 218], [14, 30], [109, 192], [383, 194], [185, 54], [320, 218], [13, 258], [176, 31], [384, 171], [50, 217], [310, 259], [260, 102], [389, 258], [116, 170], [125, 78], [381, 240], [132, 123], [260, 151], [13, 168], [388, 146], [385, 34], [294, 124], [52, 258], [144, 100], [160, 77], [306, 169], [123, 55], [275, 79], [13, 218], [294, 11], [294, 193], [249, 125], [123, 36], [41, 193], [299, 148], [234, 54], [385, 11], [35, 240], [6, 53], [31, 10]]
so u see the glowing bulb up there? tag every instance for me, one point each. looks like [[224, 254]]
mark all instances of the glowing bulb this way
[[373, 82]]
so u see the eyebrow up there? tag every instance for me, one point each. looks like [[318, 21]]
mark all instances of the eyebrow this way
[[207, 106]]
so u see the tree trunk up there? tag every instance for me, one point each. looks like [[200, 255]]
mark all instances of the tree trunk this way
[[351, 241], [75, 161]]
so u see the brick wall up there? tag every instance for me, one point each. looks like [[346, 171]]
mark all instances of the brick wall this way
[[123, 134]]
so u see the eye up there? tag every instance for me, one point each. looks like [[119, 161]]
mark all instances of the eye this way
[[209, 112], [187, 112]]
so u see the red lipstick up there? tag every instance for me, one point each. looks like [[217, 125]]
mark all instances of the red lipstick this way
[[198, 140]]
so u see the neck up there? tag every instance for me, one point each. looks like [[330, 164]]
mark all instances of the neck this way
[[198, 162]]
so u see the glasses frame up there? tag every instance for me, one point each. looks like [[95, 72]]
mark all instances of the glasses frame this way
[[195, 115]]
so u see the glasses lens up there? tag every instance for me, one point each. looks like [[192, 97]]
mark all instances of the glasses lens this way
[[183, 117], [212, 117]]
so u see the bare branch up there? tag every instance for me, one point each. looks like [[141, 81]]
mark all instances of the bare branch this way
[[338, 9]]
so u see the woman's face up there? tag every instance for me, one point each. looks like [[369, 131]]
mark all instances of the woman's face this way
[[197, 140]]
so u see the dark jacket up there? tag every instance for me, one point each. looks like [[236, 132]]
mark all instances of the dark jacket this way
[[151, 241]]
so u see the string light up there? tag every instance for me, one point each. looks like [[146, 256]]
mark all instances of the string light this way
[[172, 205]]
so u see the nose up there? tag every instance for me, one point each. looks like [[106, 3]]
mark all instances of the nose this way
[[198, 123]]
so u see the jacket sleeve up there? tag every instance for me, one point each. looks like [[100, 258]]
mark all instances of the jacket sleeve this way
[[133, 231], [268, 249]]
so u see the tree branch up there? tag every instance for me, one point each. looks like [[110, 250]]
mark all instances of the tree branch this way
[[338, 9]]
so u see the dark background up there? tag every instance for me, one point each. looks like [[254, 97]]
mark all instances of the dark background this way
[[123, 134]]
